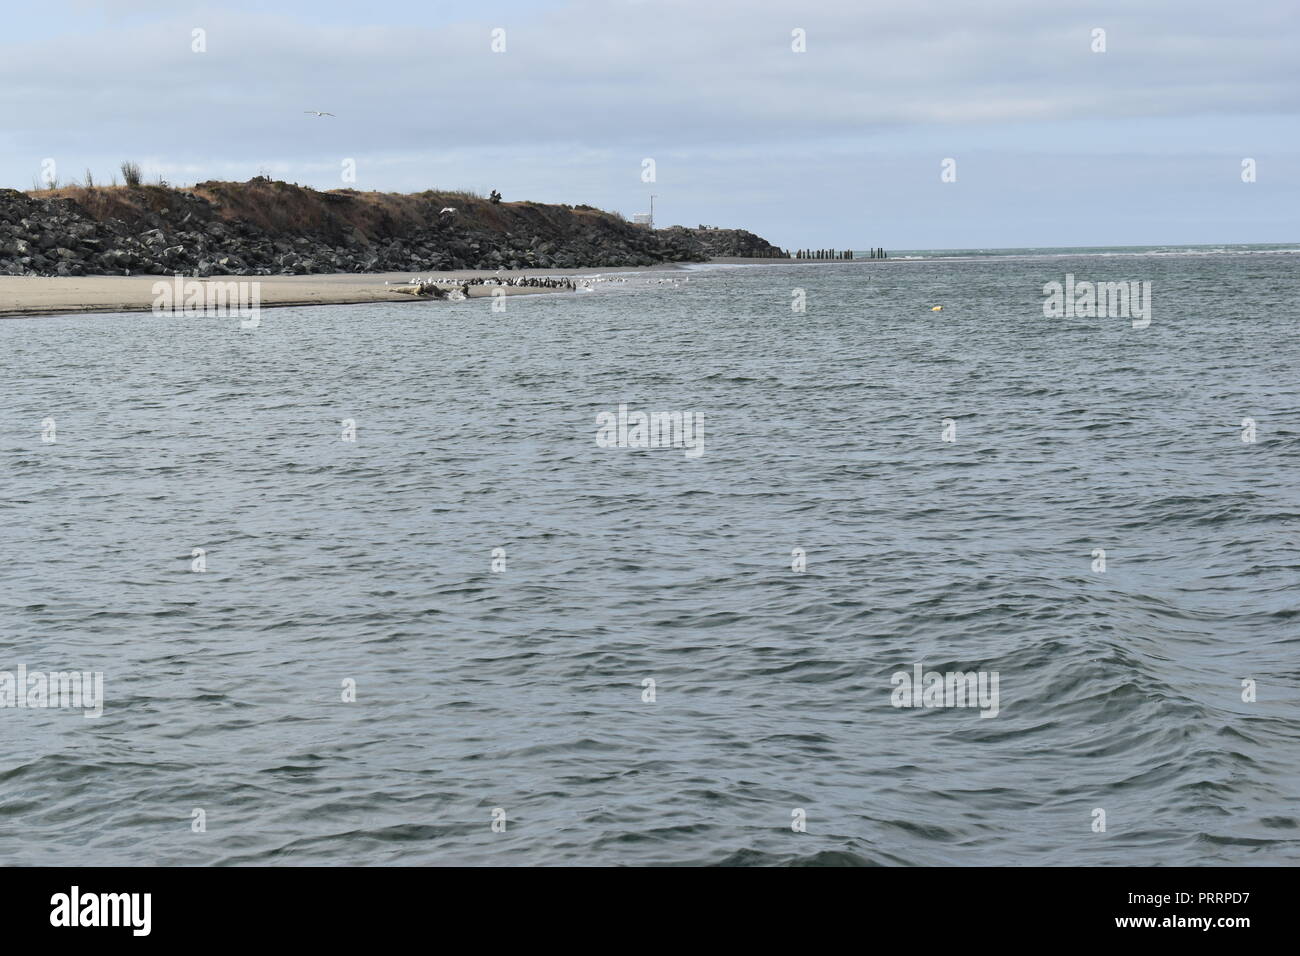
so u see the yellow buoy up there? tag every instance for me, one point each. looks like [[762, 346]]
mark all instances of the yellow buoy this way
[[937, 308]]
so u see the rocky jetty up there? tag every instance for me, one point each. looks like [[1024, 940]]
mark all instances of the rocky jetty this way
[[706, 242], [265, 227]]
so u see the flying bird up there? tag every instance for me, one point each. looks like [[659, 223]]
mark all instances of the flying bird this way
[[317, 113]]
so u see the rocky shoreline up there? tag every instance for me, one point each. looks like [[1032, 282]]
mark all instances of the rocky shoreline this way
[[264, 228]]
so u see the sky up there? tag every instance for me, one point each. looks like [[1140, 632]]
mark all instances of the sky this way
[[842, 144]]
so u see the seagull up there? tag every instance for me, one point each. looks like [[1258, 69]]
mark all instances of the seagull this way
[[317, 113]]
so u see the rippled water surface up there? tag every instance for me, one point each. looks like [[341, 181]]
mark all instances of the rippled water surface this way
[[371, 561]]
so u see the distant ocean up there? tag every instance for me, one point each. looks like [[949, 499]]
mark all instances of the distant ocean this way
[[1069, 251], [477, 634]]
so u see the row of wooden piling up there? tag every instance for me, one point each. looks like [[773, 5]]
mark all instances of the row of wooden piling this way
[[832, 254]]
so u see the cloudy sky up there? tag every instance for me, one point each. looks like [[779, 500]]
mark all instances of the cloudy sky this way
[[841, 145]]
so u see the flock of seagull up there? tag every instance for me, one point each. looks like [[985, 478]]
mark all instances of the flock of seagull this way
[[547, 282], [457, 289]]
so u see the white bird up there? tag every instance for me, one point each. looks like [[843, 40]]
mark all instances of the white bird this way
[[317, 113]]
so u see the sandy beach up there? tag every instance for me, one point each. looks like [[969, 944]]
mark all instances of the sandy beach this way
[[32, 295]]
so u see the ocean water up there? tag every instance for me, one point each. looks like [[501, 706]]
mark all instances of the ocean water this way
[[1072, 252], [522, 690]]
